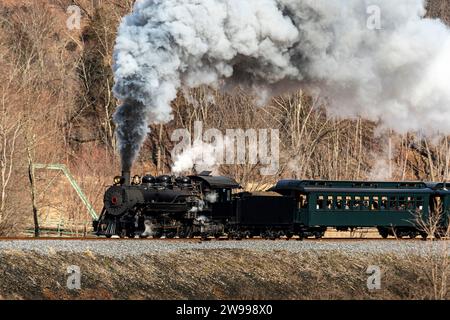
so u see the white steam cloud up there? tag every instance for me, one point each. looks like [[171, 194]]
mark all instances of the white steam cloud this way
[[201, 156], [398, 75]]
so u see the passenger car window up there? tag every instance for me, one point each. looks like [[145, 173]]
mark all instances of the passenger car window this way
[[366, 202], [419, 204], [357, 202], [375, 203], [330, 203], [320, 201], [303, 201], [384, 203], [411, 203], [339, 203], [348, 202], [402, 203], [393, 203]]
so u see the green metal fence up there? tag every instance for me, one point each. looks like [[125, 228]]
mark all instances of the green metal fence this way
[[60, 230], [73, 183]]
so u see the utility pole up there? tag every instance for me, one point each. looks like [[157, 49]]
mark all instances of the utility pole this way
[[32, 179]]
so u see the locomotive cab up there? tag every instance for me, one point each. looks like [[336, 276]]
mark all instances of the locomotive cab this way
[[217, 193]]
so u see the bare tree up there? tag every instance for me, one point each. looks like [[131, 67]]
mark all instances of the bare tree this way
[[11, 126], [436, 258]]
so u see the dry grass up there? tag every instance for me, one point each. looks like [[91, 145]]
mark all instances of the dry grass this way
[[210, 274]]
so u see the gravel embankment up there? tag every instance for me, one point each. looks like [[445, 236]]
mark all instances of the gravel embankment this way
[[121, 248]]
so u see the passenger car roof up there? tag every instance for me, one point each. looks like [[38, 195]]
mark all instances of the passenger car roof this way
[[351, 186]]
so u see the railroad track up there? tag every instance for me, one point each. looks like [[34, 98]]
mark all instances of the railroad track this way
[[197, 240]]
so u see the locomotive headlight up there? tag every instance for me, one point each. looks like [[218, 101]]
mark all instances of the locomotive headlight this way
[[118, 180]]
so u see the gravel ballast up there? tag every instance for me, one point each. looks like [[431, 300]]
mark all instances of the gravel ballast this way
[[120, 248]]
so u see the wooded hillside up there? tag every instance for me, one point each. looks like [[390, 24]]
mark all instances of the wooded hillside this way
[[57, 106]]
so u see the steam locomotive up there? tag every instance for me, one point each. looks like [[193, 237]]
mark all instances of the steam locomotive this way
[[209, 206], [166, 206]]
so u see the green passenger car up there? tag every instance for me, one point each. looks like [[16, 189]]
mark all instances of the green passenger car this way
[[395, 208]]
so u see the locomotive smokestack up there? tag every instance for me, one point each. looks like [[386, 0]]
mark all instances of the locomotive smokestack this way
[[127, 177]]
